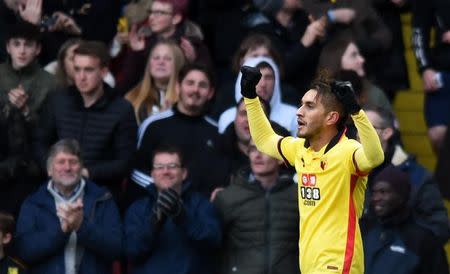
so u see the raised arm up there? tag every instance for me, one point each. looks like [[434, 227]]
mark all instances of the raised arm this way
[[266, 140], [370, 155]]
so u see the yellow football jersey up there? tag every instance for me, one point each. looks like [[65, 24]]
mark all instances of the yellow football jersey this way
[[331, 197], [331, 190]]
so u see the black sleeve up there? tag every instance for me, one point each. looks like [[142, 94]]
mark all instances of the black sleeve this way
[[422, 21]]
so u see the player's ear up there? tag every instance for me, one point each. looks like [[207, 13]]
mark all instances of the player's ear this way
[[332, 118]]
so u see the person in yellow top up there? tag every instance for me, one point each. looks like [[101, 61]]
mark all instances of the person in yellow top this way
[[332, 169]]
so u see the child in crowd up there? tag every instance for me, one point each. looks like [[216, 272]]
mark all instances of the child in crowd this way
[[8, 265]]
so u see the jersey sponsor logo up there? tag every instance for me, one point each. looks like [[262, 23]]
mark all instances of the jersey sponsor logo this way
[[308, 191], [309, 179]]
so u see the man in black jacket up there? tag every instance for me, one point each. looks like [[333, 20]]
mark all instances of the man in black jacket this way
[[103, 124], [186, 126]]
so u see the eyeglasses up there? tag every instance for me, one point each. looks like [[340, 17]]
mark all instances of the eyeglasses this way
[[159, 12], [169, 166]]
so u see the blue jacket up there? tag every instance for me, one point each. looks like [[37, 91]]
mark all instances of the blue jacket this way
[[425, 199], [183, 246], [399, 245], [40, 241]]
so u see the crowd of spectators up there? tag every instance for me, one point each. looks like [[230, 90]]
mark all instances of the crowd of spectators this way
[[125, 145]]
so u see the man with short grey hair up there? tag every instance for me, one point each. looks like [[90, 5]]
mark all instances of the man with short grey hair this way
[[70, 225]]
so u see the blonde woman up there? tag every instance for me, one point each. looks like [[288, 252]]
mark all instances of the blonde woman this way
[[156, 92]]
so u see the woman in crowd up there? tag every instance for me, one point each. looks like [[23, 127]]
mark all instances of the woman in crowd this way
[[342, 53], [156, 92]]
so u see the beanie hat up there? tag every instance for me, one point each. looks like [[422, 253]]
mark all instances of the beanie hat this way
[[269, 6], [398, 179]]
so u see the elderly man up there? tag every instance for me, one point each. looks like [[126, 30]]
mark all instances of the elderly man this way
[[70, 225]]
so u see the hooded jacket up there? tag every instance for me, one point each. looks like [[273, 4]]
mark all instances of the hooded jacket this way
[[281, 113]]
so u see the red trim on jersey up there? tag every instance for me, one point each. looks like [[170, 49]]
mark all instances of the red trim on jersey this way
[[358, 172], [351, 229], [286, 162], [343, 134]]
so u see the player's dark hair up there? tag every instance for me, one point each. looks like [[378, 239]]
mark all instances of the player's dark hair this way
[[326, 95]]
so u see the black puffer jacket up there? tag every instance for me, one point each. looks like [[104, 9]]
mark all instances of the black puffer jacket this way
[[106, 132], [260, 227]]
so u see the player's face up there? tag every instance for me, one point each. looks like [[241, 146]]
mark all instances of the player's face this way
[[194, 91], [167, 171], [88, 75], [310, 116], [265, 86], [241, 124], [22, 52], [384, 199], [262, 164], [353, 60]]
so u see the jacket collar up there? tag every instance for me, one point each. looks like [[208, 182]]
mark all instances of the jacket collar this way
[[92, 194], [28, 70], [108, 95], [246, 179]]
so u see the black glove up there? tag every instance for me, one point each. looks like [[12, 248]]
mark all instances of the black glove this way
[[345, 94], [169, 203], [250, 78]]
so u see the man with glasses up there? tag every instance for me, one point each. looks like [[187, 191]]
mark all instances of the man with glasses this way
[[425, 199], [166, 20], [173, 229]]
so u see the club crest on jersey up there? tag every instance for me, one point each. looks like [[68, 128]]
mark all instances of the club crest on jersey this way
[[309, 179], [323, 164]]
